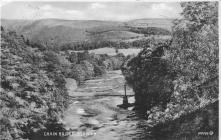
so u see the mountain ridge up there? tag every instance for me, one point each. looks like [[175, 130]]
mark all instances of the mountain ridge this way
[[62, 31]]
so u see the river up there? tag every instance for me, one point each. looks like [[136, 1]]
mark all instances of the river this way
[[94, 114]]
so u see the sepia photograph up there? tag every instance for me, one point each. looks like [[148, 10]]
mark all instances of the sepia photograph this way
[[109, 70]]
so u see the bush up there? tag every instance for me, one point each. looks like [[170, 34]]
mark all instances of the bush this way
[[51, 56]]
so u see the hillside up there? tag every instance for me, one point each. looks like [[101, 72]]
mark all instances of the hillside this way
[[29, 90], [160, 23], [59, 32]]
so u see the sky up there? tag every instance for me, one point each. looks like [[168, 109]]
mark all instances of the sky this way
[[115, 11]]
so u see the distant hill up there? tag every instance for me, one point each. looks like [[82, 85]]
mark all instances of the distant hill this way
[[160, 23], [59, 32]]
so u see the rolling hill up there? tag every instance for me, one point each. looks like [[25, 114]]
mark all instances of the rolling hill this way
[[59, 32], [160, 23]]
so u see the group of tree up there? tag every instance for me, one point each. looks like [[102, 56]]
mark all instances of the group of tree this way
[[147, 31], [177, 78], [88, 45], [33, 93], [86, 65]]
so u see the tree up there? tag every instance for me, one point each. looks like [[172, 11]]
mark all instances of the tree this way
[[194, 51], [2, 29], [27, 42], [73, 58], [116, 50], [78, 73], [150, 77], [99, 70], [27, 89], [83, 56], [88, 68]]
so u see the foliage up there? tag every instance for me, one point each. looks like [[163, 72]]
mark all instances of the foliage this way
[[99, 70], [86, 65], [149, 76], [78, 73], [83, 56], [189, 66], [86, 45], [88, 68], [73, 57], [194, 52], [28, 88], [189, 125], [150, 31]]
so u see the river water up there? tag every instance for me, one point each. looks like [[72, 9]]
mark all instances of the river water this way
[[94, 114]]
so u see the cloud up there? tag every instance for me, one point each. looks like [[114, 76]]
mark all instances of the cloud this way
[[48, 11], [161, 6], [46, 7], [97, 6], [90, 11], [74, 12], [19, 11], [163, 10], [4, 2]]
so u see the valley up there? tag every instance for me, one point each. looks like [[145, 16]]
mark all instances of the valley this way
[[134, 78]]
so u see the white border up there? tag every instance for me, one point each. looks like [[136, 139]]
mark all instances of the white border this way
[[4, 2]]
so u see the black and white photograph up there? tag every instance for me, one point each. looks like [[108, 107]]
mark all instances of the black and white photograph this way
[[109, 70]]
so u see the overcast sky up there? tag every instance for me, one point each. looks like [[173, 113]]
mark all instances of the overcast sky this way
[[89, 10]]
